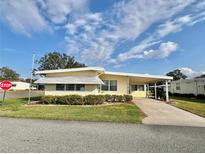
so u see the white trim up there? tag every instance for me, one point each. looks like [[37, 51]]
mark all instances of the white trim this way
[[102, 70], [139, 75], [109, 85], [71, 70]]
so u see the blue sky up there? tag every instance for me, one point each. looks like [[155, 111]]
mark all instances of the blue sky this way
[[149, 36]]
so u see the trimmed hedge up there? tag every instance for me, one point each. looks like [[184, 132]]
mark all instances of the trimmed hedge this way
[[199, 96], [86, 100], [118, 98], [93, 99]]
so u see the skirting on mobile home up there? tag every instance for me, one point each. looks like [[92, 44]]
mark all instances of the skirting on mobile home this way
[[95, 80]]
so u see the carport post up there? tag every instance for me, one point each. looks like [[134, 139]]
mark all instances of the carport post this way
[[155, 90], [148, 90], [167, 91]]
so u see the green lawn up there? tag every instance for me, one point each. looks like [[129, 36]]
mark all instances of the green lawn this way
[[196, 106], [111, 113]]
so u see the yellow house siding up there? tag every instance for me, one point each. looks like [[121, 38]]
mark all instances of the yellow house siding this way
[[139, 94], [81, 73], [122, 84]]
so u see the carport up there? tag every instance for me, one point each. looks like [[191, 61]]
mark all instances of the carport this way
[[148, 80], [145, 80]]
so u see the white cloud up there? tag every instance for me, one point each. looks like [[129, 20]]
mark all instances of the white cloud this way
[[57, 11], [200, 5], [164, 50], [190, 73], [170, 26], [29, 16], [22, 16], [124, 22], [93, 37], [173, 26]]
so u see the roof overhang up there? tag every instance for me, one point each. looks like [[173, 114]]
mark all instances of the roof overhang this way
[[70, 80], [141, 78], [97, 69]]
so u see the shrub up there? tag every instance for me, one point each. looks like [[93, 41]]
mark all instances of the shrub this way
[[114, 98], [108, 98], [128, 98], [161, 94], [61, 100], [37, 98], [93, 99], [74, 100], [184, 95], [87, 100], [201, 96], [117, 98], [120, 98], [48, 100]]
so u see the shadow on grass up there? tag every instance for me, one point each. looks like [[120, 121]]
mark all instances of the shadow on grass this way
[[194, 100]]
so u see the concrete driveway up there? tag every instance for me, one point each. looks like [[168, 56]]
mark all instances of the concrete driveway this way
[[160, 113], [27, 135]]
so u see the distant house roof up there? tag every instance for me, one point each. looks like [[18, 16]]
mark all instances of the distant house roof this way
[[70, 80], [190, 80], [70, 70]]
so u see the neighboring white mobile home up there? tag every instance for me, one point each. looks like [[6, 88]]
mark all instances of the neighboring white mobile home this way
[[188, 86], [18, 85]]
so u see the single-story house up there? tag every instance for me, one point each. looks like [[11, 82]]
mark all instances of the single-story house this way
[[188, 86], [96, 80]]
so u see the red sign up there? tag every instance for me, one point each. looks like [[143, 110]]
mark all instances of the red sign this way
[[5, 85]]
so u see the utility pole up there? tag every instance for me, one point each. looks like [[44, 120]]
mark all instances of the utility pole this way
[[31, 77]]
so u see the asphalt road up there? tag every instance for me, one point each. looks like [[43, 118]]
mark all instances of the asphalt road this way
[[26, 135], [21, 94]]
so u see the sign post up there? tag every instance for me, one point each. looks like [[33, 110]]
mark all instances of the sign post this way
[[5, 85]]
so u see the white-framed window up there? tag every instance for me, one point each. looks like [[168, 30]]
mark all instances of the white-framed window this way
[[137, 87], [70, 87], [109, 85], [60, 87], [178, 86]]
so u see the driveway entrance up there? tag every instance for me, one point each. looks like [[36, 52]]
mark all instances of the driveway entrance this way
[[160, 113]]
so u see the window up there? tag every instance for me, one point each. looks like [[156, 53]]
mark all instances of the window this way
[[70, 87], [113, 85], [13, 85], [137, 87], [60, 87], [178, 86], [140, 87], [109, 85], [80, 87], [105, 85]]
